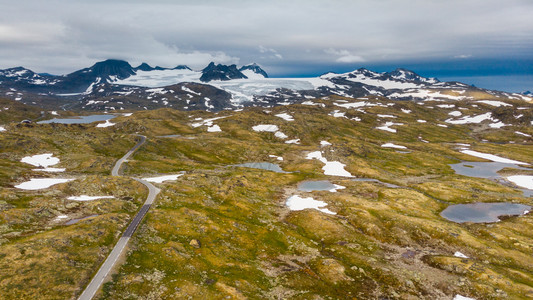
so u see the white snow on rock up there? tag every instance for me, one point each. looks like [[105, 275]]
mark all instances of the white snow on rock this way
[[325, 143], [276, 157], [494, 103], [60, 217], [355, 104], [525, 181], [285, 117], [265, 127], [455, 113], [406, 111], [160, 179], [214, 128], [459, 297], [41, 183], [391, 145], [106, 124], [337, 187], [295, 141], [446, 105], [51, 170], [206, 122], [88, 198], [421, 121], [470, 120], [41, 160], [2, 128], [333, 168], [298, 203], [459, 254], [280, 135], [387, 125], [493, 157], [337, 114], [386, 116], [522, 134]]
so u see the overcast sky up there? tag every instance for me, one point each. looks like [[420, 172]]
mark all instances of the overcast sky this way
[[296, 37]]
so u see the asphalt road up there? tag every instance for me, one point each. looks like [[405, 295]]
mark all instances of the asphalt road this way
[[111, 260]]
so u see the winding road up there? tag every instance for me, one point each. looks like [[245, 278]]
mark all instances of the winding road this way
[[111, 260]]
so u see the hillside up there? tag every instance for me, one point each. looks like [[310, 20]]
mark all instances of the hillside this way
[[223, 230]]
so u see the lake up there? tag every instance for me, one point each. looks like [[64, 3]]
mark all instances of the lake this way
[[482, 212], [79, 119]]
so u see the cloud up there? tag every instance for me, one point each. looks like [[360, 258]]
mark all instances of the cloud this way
[[271, 51], [463, 56], [38, 35], [344, 56]]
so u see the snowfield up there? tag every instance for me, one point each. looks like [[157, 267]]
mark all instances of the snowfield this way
[[493, 157], [298, 203], [106, 124], [265, 128], [41, 183], [161, 179], [44, 161], [333, 168], [88, 198], [525, 181], [391, 145]]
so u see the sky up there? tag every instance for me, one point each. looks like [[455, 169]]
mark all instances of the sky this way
[[472, 39]]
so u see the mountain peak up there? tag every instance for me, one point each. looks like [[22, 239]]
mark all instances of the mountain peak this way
[[253, 71], [221, 72], [144, 67]]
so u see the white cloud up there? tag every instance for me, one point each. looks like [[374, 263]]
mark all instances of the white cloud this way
[[38, 35], [344, 56], [463, 56], [271, 51]]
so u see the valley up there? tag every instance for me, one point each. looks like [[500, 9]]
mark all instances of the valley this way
[[223, 229]]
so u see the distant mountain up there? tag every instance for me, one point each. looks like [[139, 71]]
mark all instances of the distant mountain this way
[[221, 72], [253, 71], [115, 84]]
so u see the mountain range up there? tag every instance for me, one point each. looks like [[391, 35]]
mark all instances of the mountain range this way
[[116, 85]]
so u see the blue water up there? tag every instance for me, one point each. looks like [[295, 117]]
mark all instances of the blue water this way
[[263, 165], [482, 212], [487, 170], [79, 119], [321, 185]]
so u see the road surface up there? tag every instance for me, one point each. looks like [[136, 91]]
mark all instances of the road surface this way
[[111, 260]]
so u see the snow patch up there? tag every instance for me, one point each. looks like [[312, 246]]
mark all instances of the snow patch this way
[[285, 117], [525, 181], [88, 198], [41, 183], [265, 127], [459, 254], [391, 145], [106, 124], [493, 157], [160, 179], [494, 103], [298, 203], [333, 168]]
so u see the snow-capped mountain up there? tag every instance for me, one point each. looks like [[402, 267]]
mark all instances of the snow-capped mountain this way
[[115, 84], [221, 72], [253, 71]]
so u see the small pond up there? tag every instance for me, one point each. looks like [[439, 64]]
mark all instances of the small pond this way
[[263, 166], [482, 212], [79, 119], [487, 170], [321, 185]]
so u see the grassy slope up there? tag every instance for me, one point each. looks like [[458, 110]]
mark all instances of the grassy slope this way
[[383, 242]]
